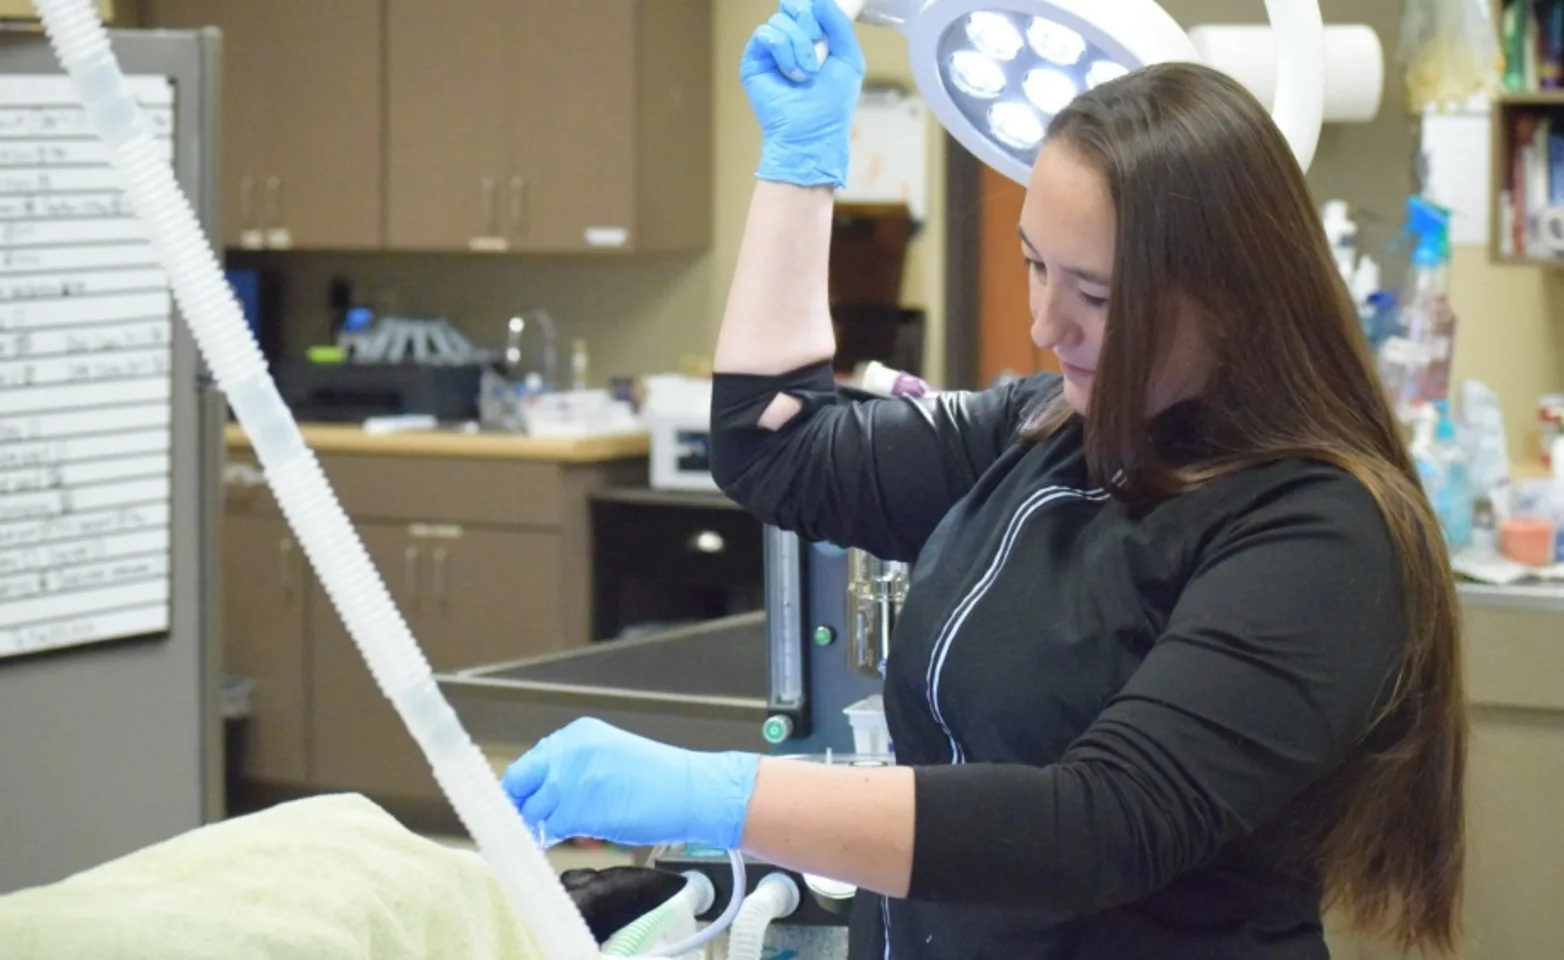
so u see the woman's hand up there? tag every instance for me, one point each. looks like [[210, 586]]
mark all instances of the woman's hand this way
[[594, 780], [805, 107]]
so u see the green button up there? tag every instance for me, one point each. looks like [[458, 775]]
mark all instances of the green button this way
[[777, 729], [824, 636]]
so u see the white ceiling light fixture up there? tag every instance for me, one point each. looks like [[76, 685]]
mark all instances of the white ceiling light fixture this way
[[996, 71]]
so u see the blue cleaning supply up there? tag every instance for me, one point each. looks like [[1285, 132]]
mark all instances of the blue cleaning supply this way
[[1454, 499], [1414, 361], [1429, 474], [1378, 316]]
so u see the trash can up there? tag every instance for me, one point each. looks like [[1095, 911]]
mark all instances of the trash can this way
[[236, 696]]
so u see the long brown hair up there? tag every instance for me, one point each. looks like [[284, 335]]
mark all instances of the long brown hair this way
[[1214, 214]]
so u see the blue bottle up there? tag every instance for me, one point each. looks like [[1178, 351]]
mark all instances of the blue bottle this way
[[1455, 500]]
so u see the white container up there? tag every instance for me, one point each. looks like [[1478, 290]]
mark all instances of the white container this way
[[677, 413], [574, 414], [870, 736], [681, 453]]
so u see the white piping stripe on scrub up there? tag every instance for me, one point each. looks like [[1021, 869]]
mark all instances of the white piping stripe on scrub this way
[[885, 915], [947, 636]]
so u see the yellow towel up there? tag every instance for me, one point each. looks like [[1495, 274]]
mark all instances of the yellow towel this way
[[329, 878]]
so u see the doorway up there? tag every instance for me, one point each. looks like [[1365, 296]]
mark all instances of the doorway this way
[[988, 324]]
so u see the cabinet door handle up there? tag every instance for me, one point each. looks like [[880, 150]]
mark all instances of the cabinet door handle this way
[[410, 571], [490, 210], [273, 200], [285, 565], [242, 476], [518, 204], [440, 554], [246, 202]]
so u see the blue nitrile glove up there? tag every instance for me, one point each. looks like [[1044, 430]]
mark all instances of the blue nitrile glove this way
[[805, 107], [596, 781]]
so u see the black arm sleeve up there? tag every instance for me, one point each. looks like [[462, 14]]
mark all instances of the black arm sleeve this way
[[877, 474], [1274, 660]]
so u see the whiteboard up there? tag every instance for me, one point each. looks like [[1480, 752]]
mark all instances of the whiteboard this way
[[86, 412]]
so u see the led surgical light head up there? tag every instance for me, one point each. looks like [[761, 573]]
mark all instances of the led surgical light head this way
[[996, 71]]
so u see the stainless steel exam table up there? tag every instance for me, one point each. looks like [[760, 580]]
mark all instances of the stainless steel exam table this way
[[702, 687]]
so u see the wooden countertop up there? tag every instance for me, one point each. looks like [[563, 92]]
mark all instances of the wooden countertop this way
[[344, 438], [1536, 597]]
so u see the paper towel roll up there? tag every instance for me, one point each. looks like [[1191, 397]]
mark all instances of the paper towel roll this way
[[1354, 65]]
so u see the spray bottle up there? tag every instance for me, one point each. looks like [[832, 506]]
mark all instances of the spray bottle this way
[[1342, 235], [1364, 287], [1442, 468], [1414, 361]]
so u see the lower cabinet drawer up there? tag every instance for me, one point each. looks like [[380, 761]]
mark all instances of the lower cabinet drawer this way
[[520, 492]]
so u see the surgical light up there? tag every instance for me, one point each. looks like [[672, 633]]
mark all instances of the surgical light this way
[[1049, 90], [994, 34], [1016, 124], [1055, 43], [995, 72], [976, 75], [1102, 71]]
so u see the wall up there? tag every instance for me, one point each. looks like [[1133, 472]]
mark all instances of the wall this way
[[738, 151], [1510, 336], [1371, 165], [645, 314], [636, 314]]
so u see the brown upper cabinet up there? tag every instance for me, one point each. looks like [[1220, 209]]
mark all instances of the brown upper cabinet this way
[[485, 125], [301, 118]]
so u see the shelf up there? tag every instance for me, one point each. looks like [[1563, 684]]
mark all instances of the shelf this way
[[1531, 98], [1501, 260], [1525, 156]]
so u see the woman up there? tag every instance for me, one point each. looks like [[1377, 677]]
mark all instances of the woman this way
[[1179, 665]]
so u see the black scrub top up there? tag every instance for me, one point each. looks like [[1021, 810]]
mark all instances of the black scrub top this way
[[1128, 724]]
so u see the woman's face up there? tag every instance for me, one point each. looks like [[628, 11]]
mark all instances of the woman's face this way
[[1067, 230], [1068, 224]]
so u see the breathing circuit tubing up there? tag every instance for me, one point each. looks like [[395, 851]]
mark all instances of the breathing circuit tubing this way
[[329, 540]]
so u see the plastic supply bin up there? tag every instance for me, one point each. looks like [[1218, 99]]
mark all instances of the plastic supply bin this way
[[870, 736]]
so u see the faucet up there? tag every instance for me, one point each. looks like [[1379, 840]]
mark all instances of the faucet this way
[[513, 333]]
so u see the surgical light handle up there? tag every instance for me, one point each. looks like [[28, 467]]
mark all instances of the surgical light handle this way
[[852, 8]]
